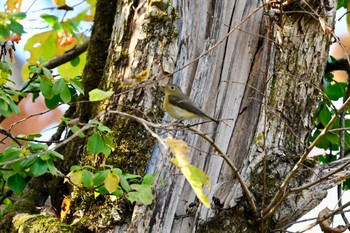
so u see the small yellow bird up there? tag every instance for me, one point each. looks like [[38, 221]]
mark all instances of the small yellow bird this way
[[179, 106]]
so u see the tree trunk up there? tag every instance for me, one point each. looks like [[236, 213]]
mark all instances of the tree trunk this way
[[228, 57], [268, 88]]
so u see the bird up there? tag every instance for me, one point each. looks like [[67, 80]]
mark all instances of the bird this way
[[179, 106]]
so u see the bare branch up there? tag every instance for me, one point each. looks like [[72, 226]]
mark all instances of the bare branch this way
[[68, 56], [282, 193]]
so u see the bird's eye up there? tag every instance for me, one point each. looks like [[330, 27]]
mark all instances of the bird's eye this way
[[172, 87]]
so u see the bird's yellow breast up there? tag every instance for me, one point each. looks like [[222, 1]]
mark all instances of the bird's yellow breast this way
[[176, 112]]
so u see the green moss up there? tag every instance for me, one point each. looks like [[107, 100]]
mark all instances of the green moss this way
[[163, 6], [258, 139], [272, 96], [161, 21], [40, 223], [105, 211]]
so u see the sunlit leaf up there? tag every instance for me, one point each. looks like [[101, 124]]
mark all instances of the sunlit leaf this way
[[111, 182], [97, 95], [50, 19], [195, 176], [13, 5], [65, 207], [70, 71], [76, 177]]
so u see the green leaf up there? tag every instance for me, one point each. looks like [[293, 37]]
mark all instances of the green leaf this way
[[34, 69], [39, 167], [97, 95], [51, 167], [14, 108], [10, 153], [75, 168], [109, 142], [28, 162], [3, 105], [16, 27], [56, 154], [142, 194], [325, 115], [19, 15], [46, 71], [6, 67], [59, 86], [66, 95], [87, 178], [50, 19], [16, 183], [4, 32], [119, 192], [327, 158], [346, 184], [342, 3], [103, 128], [332, 138], [334, 90], [75, 61], [148, 179], [97, 145], [124, 183], [46, 88], [100, 177], [77, 85], [75, 129], [53, 102]]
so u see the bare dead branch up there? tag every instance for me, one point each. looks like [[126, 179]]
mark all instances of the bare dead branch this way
[[282, 193]]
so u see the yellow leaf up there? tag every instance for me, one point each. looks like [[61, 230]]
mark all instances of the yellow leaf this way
[[13, 5], [112, 182], [65, 208], [75, 177], [195, 176], [180, 151], [59, 2], [142, 76], [69, 71]]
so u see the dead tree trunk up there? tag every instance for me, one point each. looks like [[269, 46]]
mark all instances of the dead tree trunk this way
[[256, 66], [238, 62]]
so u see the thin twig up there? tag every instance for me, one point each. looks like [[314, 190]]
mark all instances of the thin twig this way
[[205, 137], [231, 165], [325, 217], [341, 155], [8, 134]]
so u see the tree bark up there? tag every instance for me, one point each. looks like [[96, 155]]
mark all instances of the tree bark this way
[[268, 88], [227, 56]]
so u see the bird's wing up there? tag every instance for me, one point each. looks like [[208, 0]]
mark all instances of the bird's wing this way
[[187, 105]]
